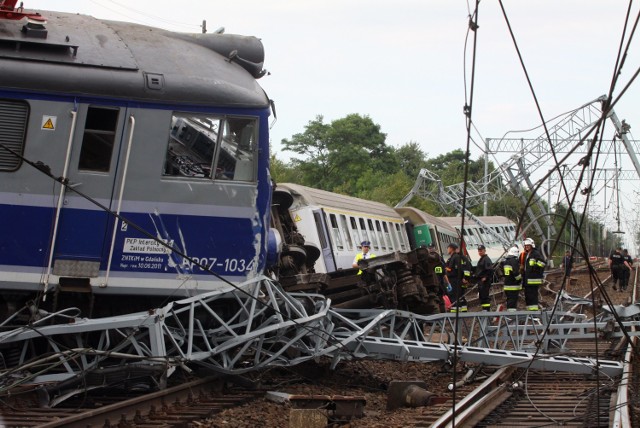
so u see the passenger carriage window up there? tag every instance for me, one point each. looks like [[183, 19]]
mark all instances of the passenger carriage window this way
[[98, 140], [13, 126], [337, 239], [401, 238], [393, 244], [363, 230], [354, 230], [372, 233], [383, 244], [347, 235], [195, 141]]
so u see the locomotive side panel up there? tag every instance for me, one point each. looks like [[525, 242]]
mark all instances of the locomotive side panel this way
[[108, 101]]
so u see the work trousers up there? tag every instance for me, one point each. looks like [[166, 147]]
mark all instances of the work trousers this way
[[624, 278], [483, 293], [512, 299], [459, 302], [531, 297]]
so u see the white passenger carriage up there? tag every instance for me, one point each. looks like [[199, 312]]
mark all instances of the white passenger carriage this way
[[337, 224], [476, 234]]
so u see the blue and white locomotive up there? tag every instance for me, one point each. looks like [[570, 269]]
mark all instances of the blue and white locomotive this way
[[115, 134]]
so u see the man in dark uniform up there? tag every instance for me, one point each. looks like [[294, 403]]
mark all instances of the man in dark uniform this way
[[626, 270], [512, 279], [616, 264], [532, 265], [439, 269], [454, 275], [484, 276], [567, 264]]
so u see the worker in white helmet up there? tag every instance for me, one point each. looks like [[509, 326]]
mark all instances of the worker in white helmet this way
[[512, 278], [532, 265]]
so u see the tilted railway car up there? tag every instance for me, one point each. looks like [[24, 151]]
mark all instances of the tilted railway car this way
[[337, 224], [113, 135]]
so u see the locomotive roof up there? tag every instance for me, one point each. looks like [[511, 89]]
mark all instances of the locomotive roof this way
[[308, 196], [81, 55]]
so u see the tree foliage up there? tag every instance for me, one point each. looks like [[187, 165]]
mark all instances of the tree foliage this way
[[336, 155], [350, 156]]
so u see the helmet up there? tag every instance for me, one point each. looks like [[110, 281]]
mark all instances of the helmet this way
[[514, 251], [365, 244], [529, 241]]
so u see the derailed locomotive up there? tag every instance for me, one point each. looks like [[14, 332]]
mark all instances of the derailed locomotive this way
[[133, 162]]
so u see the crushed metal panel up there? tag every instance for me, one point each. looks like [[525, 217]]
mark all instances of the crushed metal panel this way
[[71, 39]]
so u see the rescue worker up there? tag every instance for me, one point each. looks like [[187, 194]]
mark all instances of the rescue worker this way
[[532, 265], [439, 272], [567, 264], [454, 275], [467, 267], [363, 255], [512, 278], [484, 275], [626, 271], [616, 265]]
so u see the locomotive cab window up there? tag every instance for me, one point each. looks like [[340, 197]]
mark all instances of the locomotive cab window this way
[[98, 139], [236, 158], [211, 147]]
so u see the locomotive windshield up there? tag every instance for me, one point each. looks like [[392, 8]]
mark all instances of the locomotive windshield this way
[[212, 147]]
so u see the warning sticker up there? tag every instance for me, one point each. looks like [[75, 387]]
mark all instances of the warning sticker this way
[[49, 123], [297, 218]]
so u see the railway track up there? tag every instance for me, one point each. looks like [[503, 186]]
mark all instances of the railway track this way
[[531, 398], [506, 397], [173, 407]]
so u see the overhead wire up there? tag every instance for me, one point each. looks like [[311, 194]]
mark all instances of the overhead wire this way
[[467, 110], [606, 109]]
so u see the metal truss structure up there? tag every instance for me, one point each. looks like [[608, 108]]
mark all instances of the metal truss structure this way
[[236, 331], [567, 135], [429, 186]]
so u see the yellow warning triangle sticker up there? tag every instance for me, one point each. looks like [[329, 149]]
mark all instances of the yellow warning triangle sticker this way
[[297, 218], [48, 124]]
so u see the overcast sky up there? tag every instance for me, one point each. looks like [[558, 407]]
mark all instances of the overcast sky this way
[[402, 62]]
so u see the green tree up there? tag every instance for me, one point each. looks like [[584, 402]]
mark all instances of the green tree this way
[[335, 156], [411, 158], [282, 172]]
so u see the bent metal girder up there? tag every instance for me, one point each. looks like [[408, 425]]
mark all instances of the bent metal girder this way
[[235, 332]]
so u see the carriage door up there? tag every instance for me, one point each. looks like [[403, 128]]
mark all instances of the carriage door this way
[[83, 227], [325, 243]]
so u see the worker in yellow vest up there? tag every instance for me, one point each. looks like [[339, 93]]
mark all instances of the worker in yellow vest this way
[[363, 255]]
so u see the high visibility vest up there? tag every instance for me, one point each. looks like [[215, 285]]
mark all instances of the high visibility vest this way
[[361, 256]]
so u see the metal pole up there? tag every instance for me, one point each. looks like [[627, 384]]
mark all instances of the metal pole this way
[[485, 208]]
